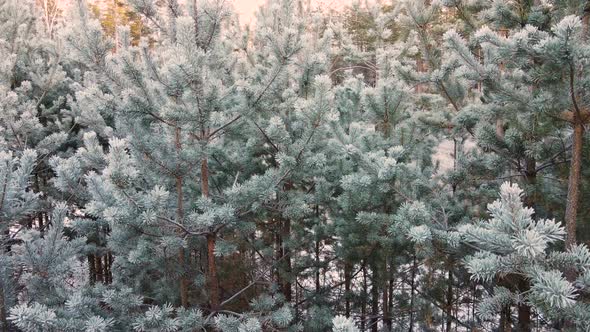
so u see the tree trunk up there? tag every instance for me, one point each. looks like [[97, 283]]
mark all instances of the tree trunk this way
[[110, 256], [505, 320], [574, 179], [347, 282], [389, 322], [40, 221], [364, 300], [449, 304], [106, 268], [413, 289], [317, 264], [524, 318], [98, 268], [91, 269], [531, 199], [573, 190], [374, 301], [286, 257], [183, 280], [386, 319], [500, 129], [213, 282], [283, 259]]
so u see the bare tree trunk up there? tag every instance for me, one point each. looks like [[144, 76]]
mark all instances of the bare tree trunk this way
[[449, 304], [91, 269], [573, 191], [213, 282], [524, 318], [364, 300], [183, 280], [110, 256], [374, 301], [389, 322], [106, 267], [386, 319], [98, 269], [574, 179], [505, 320], [413, 286], [286, 257], [347, 282], [500, 129]]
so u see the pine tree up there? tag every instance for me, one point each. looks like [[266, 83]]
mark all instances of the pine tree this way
[[512, 245], [548, 64], [17, 203]]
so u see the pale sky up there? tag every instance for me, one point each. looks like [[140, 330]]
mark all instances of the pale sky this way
[[247, 8]]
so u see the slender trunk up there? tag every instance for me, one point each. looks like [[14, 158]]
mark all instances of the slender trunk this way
[[40, 221], [386, 318], [499, 129], [531, 199], [91, 269], [284, 268], [573, 191], [574, 179], [449, 304], [183, 280], [505, 320], [347, 282], [317, 264], [524, 318], [106, 267], [213, 283], [110, 256], [278, 254], [98, 268], [413, 286], [287, 267], [296, 299], [374, 302], [364, 300], [205, 177], [389, 322]]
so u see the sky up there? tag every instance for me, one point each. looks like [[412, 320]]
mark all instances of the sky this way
[[247, 8]]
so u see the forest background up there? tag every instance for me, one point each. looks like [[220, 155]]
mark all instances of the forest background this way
[[319, 166]]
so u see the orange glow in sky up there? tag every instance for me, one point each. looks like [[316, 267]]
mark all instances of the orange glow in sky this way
[[246, 9]]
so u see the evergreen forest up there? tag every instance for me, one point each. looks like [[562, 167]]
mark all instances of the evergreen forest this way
[[374, 166]]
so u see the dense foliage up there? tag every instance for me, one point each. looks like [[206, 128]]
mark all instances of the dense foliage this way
[[408, 165]]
